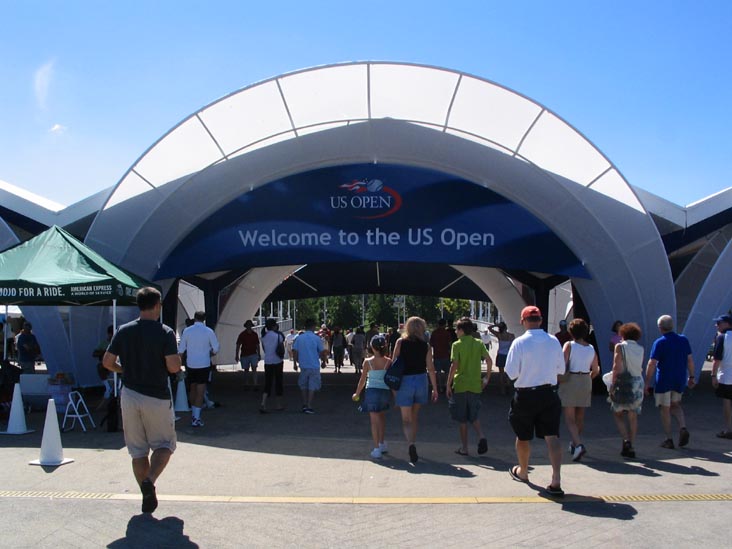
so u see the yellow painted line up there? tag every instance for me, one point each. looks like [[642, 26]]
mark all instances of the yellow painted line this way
[[414, 500], [514, 499], [57, 495], [631, 498]]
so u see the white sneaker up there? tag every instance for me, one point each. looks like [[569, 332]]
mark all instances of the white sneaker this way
[[376, 453], [383, 447], [578, 452]]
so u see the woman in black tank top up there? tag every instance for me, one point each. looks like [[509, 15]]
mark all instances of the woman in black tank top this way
[[418, 365]]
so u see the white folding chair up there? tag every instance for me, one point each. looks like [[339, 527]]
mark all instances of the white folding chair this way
[[76, 409]]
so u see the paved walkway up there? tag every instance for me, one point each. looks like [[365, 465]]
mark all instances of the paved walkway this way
[[289, 479]]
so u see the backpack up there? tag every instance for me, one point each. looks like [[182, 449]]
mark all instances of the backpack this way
[[280, 350]]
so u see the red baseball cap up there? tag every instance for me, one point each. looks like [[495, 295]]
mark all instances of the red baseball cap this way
[[530, 311]]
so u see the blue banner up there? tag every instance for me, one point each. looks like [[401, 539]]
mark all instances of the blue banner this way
[[371, 212]]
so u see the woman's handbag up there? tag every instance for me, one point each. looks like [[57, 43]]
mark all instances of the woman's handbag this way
[[622, 391], [394, 374]]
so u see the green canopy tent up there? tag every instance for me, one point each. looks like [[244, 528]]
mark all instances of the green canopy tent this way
[[54, 268]]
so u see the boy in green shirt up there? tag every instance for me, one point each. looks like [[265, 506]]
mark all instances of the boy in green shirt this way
[[464, 383]]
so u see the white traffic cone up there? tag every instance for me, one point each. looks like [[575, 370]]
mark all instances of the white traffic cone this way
[[52, 453], [181, 398], [16, 421]]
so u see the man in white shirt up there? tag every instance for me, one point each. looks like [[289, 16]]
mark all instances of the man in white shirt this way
[[199, 342], [274, 356], [722, 371], [534, 361]]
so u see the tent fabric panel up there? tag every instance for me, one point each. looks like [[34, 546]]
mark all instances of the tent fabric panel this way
[[54, 268]]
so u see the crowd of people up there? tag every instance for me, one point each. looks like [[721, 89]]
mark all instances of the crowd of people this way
[[547, 379]]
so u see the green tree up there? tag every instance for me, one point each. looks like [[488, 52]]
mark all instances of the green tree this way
[[344, 311], [456, 308], [381, 310], [424, 307], [307, 308]]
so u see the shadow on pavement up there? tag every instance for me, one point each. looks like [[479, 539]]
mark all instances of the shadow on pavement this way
[[675, 468], [706, 455], [425, 467], [620, 467], [147, 531], [491, 463], [600, 509]]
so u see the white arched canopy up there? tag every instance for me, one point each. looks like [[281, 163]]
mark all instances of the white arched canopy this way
[[404, 115], [313, 100]]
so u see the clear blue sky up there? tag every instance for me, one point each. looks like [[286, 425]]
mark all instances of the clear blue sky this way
[[86, 87]]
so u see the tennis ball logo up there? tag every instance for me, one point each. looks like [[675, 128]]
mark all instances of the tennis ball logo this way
[[375, 185], [369, 196]]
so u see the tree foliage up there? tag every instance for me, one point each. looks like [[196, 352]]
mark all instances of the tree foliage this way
[[308, 308], [345, 311], [424, 307], [456, 308], [381, 310]]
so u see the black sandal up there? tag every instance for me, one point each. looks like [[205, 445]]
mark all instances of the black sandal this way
[[555, 491], [513, 471]]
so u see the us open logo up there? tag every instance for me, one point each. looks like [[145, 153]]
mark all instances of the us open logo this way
[[367, 198]]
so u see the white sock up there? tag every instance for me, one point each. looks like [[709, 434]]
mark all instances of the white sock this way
[[196, 411]]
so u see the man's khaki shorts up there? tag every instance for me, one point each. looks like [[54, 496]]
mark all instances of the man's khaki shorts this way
[[665, 399], [149, 423]]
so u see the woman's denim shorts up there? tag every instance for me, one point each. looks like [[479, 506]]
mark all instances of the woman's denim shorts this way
[[412, 391]]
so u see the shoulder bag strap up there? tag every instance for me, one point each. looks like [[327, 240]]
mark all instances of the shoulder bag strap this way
[[625, 360]]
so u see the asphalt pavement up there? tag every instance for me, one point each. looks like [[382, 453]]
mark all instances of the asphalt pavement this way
[[287, 479]]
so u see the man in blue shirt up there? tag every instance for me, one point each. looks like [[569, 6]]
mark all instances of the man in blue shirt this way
[[308, 350], [672, 367], [28, 349]]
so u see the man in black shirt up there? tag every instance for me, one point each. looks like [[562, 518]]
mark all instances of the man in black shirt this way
[[147, 353]]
